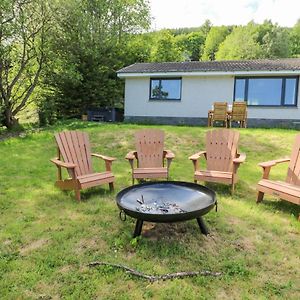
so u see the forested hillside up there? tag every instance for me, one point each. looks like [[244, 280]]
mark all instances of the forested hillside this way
[[61, 57]]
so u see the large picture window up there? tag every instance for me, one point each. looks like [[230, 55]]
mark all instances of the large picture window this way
[[165, 88], [267, 91]]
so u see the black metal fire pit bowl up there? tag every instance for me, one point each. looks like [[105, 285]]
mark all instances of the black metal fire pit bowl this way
[[166, 202]]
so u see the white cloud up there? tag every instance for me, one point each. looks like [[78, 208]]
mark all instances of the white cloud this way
[[193, 13]]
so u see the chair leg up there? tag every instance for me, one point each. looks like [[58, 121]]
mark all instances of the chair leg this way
[[260, 196], [132, 180], [111, 186], [232, 189], [77, 194], [195, 181]]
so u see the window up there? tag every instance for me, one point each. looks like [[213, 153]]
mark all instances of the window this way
[[165, 89], [240, 89], [267, 91]]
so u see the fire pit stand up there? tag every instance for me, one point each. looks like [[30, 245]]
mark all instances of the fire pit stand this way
[[166, 202], [139, 225]]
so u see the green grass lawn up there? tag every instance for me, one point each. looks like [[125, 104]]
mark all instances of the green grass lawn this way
[[47, 238]]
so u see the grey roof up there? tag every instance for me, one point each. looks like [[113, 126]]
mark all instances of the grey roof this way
[[286, 64]]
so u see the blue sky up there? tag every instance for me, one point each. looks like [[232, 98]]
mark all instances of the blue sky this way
[[192, 13]]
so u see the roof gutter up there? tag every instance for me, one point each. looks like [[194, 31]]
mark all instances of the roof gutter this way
[[222, 73]]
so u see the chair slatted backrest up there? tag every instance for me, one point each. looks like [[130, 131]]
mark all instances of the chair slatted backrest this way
[[74, 147], [220, 111], [239, 111], [293, 174], [221, 149], [150, 146]]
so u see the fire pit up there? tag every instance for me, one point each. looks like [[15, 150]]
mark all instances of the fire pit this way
[[166, 201]]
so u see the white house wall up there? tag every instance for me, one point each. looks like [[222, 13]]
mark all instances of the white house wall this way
[[198, 95], [279, 113]]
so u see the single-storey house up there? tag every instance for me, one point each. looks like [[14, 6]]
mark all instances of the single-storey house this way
[[183, 92]]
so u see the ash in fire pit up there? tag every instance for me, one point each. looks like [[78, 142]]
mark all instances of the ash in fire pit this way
[[166, 201], [158, 206]]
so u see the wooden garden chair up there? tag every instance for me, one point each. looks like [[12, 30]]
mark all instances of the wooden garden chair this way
[[149, 155], [238, 114], [219, 113], [289, 189], [222, 158], [74, 154]]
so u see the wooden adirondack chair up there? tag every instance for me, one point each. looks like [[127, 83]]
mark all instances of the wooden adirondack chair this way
[[150, 155], [238, 114], [219, 113], [222, 158], [289, 189], [74, 154]]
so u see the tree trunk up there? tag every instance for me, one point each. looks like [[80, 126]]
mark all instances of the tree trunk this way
[[9, 121]]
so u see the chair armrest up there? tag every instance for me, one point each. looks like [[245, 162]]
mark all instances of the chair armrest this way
[[168, 154], [267, 165], [107, 158], [272, 163], [197, 155], [194, 158], [240, 159], [62, 164], [131, 155]]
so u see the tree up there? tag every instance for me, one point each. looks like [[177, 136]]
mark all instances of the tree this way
[[23, 42], [205, 27], [213, 40], [240, 44], [93, 40], [138, 48], [295, 40], [165, 49], [190, 44], [274, 40]]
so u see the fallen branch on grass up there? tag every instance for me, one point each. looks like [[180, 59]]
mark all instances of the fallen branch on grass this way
[[153, 278]]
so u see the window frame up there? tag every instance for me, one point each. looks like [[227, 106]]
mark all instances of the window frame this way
[[160, 79], [283, 86]]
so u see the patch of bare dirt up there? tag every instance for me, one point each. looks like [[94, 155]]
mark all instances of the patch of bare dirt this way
[[233, 221], [244, 245], [293, 234], [45, 291], [159, 231], [33, 246], [212, 243], [73, 215], [65, 269], [90, 244]]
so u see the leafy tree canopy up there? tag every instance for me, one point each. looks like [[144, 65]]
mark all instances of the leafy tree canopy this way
[[215, 37], [294, 36], [240, 44], [164, 48]]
